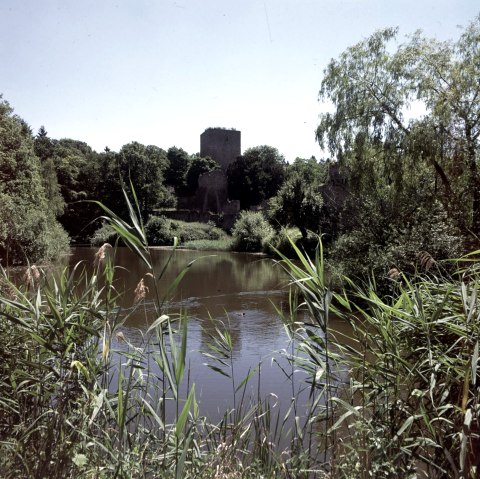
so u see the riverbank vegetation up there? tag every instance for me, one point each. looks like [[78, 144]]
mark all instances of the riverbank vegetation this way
[[397, 397], [402, 179], [161, 231]]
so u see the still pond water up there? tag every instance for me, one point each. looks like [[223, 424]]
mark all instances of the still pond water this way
[[241, 290]]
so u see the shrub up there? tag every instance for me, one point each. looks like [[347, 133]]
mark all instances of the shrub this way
[[193, 231], [282, 241], [251, 232], [104, 234], [224, 244], [159, 231], [364, 252]]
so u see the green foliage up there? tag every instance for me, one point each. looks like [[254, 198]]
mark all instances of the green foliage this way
[[28, 229], [104, 234], [256, 175], [176, 172], [190, 231], [400, 392], [382, 245], [251, 232], [413, 184], [421, 404], [49, 337], [223, 244], [161, 231], [144, 166], [371, 86], [315, 171], [198, 166], [71, 176], [283, 241], [297, 203], [44, 149]]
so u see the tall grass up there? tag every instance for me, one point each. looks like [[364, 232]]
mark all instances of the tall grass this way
[[409, 406], [79, 400], [399, 397]]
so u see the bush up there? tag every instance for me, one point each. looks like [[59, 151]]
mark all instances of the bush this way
[[159, 231], [194, 231], [104, 234], [430, 233], [251, 232], [224, 244], [281, 241]]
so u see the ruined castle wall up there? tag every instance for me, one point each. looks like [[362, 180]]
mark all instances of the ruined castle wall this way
[[221, 145]]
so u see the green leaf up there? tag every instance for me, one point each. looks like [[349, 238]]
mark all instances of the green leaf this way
[[182, 419], [158, 322], [475, 363]]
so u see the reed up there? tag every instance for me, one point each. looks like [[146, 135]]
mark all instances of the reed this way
[[399, 397], [81, 401], [409, 405]]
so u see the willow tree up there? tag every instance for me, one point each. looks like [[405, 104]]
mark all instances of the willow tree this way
[[374, 84]]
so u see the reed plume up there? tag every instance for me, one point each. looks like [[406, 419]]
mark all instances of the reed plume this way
[[426, 260], [140, 291], [394, 274], [32, 275], [101, 253]]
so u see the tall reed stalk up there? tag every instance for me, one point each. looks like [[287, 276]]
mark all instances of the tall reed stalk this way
[[397, 398], [409, 406]]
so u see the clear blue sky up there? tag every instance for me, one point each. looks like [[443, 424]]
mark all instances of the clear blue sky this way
[[160, 72]]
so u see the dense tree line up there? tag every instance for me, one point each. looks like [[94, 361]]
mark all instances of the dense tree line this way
[[65, 175], [28, 228], [46, 186], [412, 182]]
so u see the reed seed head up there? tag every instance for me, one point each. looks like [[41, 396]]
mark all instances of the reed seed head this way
[[140, 291], [31, 276], [394, 274], [426, 260], [106, 341], [101, 253]]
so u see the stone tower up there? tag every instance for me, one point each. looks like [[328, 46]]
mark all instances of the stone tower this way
[[220, 144]]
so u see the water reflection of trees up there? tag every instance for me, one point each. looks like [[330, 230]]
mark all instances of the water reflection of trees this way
[[229, 287]]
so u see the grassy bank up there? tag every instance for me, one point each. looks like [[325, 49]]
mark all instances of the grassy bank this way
[[224, 244]]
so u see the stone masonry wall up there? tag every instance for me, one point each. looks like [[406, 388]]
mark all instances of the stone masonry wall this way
[[221, 145]]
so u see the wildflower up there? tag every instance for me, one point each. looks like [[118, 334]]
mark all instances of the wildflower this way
[[140, 291]]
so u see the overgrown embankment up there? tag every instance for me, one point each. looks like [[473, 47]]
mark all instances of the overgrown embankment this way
[[400, 394]]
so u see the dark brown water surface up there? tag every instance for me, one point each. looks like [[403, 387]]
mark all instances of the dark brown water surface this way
[[240, 290]]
